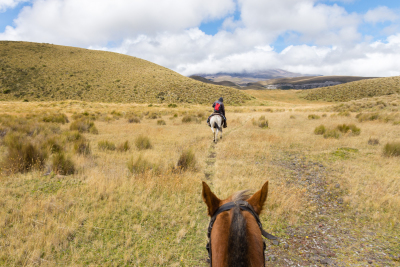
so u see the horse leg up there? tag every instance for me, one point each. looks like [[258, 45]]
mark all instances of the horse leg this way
[[221, 134]]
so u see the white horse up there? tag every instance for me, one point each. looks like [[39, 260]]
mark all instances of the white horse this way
[[216, 123]]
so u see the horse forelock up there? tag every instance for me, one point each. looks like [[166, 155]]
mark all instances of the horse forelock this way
[[241, 195]]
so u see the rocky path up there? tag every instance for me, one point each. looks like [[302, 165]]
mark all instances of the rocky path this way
[[326, 237]]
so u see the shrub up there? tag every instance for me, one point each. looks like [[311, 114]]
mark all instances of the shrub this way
[[161, 122], [139, 166], [186, 160], [373, 141], [134, 119], [292, 117], [143, 142], [320, 130], [392, 149], [333, 133], [22, 155], [124, 147], [186, 119], [82, 147], [105, 145], [62, 164], [313, 117], [93, 130], [172, 105]]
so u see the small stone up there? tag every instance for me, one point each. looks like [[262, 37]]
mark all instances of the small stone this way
[[337, 185], [286, 246], [370, 262], [275, 242], [273, 258], [340, 200]]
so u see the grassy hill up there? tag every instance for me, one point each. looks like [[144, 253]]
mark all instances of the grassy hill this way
[[356, 90], [44, 72]]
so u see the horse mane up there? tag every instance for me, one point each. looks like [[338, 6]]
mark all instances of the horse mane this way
[[237, 242]]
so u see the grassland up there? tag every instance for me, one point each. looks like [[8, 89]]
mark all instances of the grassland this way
[[356, 90], [44, 72], [330, 200]]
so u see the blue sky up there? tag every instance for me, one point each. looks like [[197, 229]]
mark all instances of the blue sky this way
[[347, 37]]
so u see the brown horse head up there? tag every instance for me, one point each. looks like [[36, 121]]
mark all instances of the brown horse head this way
[[236, 236]]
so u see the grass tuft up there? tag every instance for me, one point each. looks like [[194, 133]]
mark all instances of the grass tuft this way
[[62, 165], [124, 146], [143, 142], [392, 149], [106, 145], [320, 130], [187, 160]]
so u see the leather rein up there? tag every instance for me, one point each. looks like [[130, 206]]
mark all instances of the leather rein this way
[[243, 205]]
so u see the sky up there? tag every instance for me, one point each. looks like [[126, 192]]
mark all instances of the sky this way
[[325, 37]]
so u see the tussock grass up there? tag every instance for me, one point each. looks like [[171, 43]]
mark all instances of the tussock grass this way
[[62, 164], [141, 166], [161, 122], [373, 141], [124, 147], [84, 126], [392, 149], [187, 119], [82, 147], [142, 142], [106, 145], [313, 117], [332, 133], [22, 155], [344, 128], [187, 160], [320, 130]]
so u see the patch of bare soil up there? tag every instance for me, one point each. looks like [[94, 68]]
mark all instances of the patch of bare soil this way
[[328, 235]]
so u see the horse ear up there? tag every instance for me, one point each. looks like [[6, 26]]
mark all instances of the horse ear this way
[[258, 199], [211, 200]]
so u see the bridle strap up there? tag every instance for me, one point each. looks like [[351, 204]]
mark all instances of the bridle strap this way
[[243, 205]]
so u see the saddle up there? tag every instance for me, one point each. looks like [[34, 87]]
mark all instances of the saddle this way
[[216, 113]]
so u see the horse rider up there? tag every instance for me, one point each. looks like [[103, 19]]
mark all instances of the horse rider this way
[[220, 109]]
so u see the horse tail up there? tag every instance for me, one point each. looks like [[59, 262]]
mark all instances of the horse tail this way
[[217, 126], [237, 244]]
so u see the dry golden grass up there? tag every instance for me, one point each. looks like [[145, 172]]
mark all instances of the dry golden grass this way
[[356, 90], [105, 215], [44, 72]]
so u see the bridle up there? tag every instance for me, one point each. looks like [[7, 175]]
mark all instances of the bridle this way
[[243, 205]]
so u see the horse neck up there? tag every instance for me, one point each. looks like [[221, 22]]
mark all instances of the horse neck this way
[[241, 245]]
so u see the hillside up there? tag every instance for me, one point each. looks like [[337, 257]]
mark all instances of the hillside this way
[[312, 79], [44, 72], [356, 90]]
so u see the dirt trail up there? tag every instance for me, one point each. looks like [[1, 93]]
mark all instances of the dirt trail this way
[[325, 237]]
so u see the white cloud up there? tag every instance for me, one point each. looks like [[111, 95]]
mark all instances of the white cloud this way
[[380, 14], [323, 38], [7, 4], [83, 23]]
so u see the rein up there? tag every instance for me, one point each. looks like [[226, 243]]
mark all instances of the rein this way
[[243, 205]]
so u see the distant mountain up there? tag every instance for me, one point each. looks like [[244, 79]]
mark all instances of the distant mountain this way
[[244, 78], [274, 79]]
